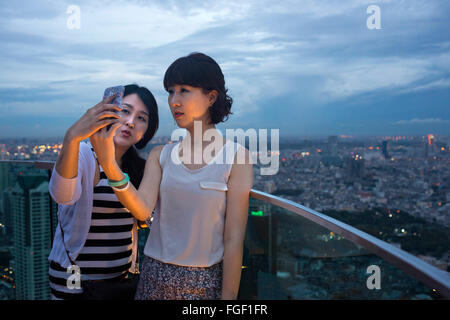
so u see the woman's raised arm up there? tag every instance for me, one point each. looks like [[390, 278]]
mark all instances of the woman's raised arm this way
[[96, 118], [140, 202], [65, 184]]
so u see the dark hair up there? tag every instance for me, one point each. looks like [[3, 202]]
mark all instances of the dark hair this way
[[132, 162], [200, 70]]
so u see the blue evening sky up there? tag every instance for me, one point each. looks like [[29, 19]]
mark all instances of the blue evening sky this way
[[304, 67]]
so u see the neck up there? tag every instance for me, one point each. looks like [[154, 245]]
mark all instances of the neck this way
[[198, 129]]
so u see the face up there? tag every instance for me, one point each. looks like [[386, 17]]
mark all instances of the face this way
[[189, 103], [134, 118]]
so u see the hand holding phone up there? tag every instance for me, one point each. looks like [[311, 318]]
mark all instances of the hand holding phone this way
[[119, 92]]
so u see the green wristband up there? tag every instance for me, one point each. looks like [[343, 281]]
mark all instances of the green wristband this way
[[119, 183]]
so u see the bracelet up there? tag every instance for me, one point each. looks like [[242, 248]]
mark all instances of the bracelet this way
[[122, 189], [119, 183]]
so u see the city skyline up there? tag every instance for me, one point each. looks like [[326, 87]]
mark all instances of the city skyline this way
[[305, 67], [367, 184]]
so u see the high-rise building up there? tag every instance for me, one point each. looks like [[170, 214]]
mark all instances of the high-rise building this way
[[30, 211], [354, 168], [5, 185], [384, 148], [332, 145], [430, 146], [5, 176]]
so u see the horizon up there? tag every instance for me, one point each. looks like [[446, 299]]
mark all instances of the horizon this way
[[341, 137]]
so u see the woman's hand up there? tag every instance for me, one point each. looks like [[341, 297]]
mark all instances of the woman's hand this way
[[103, 143], [95, 118]]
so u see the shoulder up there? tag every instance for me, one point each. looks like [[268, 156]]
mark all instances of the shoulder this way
[[242, 156], [242, 168], [157, 149], [155, 153]]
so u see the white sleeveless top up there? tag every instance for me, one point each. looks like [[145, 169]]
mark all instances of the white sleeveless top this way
[[189, 220]]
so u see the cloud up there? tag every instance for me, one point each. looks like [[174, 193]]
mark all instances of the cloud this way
[[121, 23], [422, 121], [436, 84], [368, 75], [277, 57]]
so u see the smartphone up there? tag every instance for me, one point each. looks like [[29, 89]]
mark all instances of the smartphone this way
[[118, 91]]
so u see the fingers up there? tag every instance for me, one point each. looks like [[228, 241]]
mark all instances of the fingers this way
[[107, 114], [112, 131], [104, 101], [109, 99], [103, 123], [107, 107], [104, 133]]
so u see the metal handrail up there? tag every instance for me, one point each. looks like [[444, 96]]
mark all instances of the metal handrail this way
[[45, 165], [417, 268]]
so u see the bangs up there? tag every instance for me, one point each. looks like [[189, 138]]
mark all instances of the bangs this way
[[189, 71]]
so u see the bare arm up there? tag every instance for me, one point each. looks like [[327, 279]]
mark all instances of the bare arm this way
[[239, 185], [65, 183], [140, 202], [94, 119], [67, 162]]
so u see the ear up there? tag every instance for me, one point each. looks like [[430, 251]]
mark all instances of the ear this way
[[212, 95]]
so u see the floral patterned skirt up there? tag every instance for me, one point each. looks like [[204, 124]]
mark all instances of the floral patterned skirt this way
[[164, 281]]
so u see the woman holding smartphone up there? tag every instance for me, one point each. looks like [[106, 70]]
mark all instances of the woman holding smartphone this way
[[95, 231], [194, 249]]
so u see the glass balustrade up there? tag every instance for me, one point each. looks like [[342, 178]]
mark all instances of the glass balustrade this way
[[286, 255]]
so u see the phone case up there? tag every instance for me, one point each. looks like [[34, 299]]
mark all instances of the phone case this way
[[118, 90]]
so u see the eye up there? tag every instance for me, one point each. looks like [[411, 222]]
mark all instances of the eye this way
[[184, 90], [170, 90], [142, 118], [125, 111]]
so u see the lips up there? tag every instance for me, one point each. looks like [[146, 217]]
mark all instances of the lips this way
[[177, 114], [126, 133]]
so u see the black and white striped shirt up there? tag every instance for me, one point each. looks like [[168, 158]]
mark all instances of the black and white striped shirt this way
[[107, 252]]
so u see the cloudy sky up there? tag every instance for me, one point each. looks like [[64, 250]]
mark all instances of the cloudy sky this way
[[310, 67]]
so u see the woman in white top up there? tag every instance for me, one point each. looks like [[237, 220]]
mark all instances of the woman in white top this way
[[195, 246]]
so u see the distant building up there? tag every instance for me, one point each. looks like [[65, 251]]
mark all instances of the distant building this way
[[430, 146], [332, 147], [29, 201], [384, 149], [5, 216], [354, 168], [6, 182], [5, 176]]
